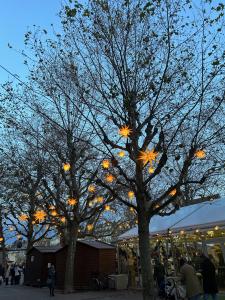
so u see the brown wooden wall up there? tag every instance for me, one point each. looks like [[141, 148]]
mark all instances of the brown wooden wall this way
[[36, 272]]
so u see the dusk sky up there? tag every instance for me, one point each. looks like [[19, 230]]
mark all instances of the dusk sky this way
[[16, 17]]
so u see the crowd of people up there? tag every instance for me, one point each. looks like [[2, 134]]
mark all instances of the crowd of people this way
[[12, 274], [194, 286]]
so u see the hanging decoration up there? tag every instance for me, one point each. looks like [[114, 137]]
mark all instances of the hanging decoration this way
[[72, 201], [54, 213], [148, 156], [100, 199], [125, 131], [200, 154], [23, 218], [106, 164], [107, 207], [130, 194], [109, 178], [39, 215], [91, 188], [173, 192], [66, 167], [151, 170], [121, 154], [90, 227]]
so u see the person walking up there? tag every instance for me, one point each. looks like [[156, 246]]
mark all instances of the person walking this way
[[51, 279], [17, 274], [191, 281], [12, 274], [7, 273], [208, 271]]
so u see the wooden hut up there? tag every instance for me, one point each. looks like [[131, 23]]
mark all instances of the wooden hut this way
[[37, 262], [93, 259]]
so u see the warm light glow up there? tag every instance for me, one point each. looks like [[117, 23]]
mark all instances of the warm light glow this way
[[52, 207], [125, 131], [90, 204], [23, 217], [72, 201], [197, 230], [100, 199], [200, 154], [130, 194], [11, 228], [90, 227], [91, 188], [151, 170], [121, 154], [63, 219], [109, 178], [1, 239], [54, 213], [106, 164], [40, 215], [148, 156], [107, 207], [182, 232], [66, 167], [173, 192], [216, 228]]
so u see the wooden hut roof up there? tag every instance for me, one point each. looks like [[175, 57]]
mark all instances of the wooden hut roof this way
[[51, 249], [97, 244]]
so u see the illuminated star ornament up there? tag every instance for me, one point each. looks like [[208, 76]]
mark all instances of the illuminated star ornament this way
[[90, 227], [107, 207], [40, 215], [91, 188], [130, 194], [105, 164], [72, 201], [200, 154], [148, 156], [66, 167], [23, 218], [173, 192], [109, 178], [125, 131], [121, 154]]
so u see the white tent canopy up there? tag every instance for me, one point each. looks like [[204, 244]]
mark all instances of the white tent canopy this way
[[198, 216]]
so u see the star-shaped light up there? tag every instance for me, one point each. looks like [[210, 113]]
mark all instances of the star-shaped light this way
[[66, 167], [72, 201], [23, 218], [63, 219], [148, 156], [151, 170], [91, 188], [107, 207], [54, 213], [121, 154], [130, 194], [200, 154], [105, 163], [100, 199], [109, 178], [173, 192], [90, 227], [40, 215], [125, 131]]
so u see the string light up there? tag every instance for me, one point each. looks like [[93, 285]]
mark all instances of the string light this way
[[121, 154], [91, 188], [130, 194], [125, 131], [23, 217], [107, 207], [105, 164], [72, 201], [200, 154], [109, 178], [151, 170], [173, 192], [40, 215], [66, 167]]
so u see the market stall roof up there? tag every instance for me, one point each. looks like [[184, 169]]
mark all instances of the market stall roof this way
[[198, 216]]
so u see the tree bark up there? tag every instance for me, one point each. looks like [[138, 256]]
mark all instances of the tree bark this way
[[70, 259], [145, 257]]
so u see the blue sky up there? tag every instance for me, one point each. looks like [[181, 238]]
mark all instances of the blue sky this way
[[16, 16]]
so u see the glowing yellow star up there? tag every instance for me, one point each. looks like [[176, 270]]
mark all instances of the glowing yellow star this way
[[200, 154], [148, 156], [109, 178], [125, 131], [121, 154], [130, 194], [105, 163], [91, 188], [90, 227], [72, 201], [107, 207], [54, 213], [1, 239], [100, 199], [23, 217], [66, 167], [151, 170], [39, 215], [173, 192], [63, 219]]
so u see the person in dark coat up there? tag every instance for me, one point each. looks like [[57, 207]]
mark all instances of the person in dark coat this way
[[159, 276], [12, 274], [209, 278], [51, 280]]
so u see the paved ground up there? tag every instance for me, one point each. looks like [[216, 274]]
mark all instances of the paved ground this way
[[29, 293]]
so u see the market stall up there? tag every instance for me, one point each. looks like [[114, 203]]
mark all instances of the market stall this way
[[188, 232]]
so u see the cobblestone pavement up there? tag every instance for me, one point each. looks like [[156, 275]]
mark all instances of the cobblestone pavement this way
[[30, 293]]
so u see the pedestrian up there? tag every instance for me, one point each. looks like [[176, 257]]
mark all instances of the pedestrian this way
[[2, 274], [12, 274], [17, 274], [7, 273], [191, 281], [209, 278], [159, 276], [51, 279]]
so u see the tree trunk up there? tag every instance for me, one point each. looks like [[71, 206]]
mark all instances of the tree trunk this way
[[70, 259], [145, 257]]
